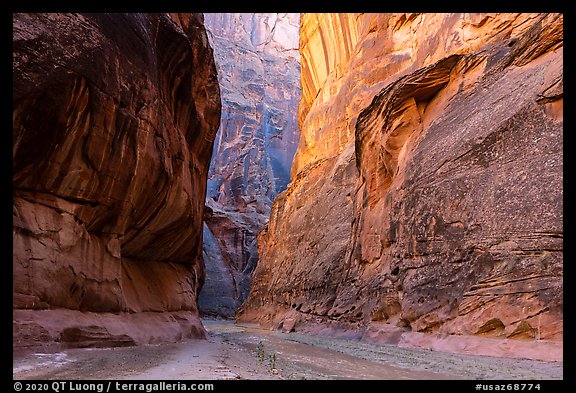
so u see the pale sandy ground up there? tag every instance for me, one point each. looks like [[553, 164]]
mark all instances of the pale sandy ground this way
[[231, 353]]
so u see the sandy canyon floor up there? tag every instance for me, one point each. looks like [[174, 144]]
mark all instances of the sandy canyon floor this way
[[246, 352]]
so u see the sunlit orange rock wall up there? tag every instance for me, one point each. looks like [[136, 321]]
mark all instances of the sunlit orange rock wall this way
[[426, 191]]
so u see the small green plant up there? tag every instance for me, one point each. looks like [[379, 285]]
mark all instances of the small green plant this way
[[271, 361], [260, 352]]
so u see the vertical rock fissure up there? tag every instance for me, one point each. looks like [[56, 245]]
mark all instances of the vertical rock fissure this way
[[259, 73]]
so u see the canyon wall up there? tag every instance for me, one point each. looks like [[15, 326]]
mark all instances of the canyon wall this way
[[259, 73], [114, 117], [425, 203]]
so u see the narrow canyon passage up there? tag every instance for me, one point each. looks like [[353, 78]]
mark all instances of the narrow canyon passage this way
[[232, 352], [288, 196], [258, 68]]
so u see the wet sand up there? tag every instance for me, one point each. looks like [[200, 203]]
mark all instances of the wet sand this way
[[246, 352]]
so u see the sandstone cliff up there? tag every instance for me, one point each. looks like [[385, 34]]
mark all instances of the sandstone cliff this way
[[426, 192], [258, 67], [114, 118]]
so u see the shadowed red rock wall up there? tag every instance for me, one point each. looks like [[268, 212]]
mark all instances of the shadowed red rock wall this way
[[426, 192], [114, 118]]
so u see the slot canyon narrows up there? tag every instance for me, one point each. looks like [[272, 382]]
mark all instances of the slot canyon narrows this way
[[375, 192], [259, 74]]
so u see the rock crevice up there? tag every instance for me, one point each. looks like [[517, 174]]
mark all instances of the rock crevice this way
[[257, 56]]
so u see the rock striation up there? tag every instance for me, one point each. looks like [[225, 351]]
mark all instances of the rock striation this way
[[114, 116], [425, 203], [259, 73]]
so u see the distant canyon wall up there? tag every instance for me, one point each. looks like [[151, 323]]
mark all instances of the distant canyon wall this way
[[426, 191], [259, 73], [114, 120]]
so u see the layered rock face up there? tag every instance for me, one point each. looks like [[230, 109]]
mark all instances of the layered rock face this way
[[426, 192], [114, 119], [259, 73]]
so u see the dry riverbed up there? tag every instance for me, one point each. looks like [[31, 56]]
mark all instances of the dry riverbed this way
[[246, 352]]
